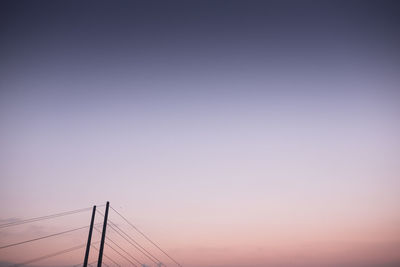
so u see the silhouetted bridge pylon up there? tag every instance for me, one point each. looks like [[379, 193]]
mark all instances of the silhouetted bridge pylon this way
[[127, 253]]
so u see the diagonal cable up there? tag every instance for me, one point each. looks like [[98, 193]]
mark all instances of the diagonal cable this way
[[145, 236], [105, 255], [51, 216], [119, 253], [112, 241], [137, 246], [43, 237], [49, 255]]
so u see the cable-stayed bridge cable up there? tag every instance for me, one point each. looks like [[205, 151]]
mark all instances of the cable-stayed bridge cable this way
[[89, 264], [145, 236], [105, 255], [112, 241], [49, 256], [43, 237], [137, 246], [119, 253], [51, 216], [130, 242]]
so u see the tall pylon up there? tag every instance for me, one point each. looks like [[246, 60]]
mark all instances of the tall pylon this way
[[103, 235], [85, 262]]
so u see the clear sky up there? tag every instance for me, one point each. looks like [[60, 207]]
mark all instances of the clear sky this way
[[236, 134]]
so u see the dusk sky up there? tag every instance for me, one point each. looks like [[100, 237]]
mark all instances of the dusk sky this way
[[234, 133]]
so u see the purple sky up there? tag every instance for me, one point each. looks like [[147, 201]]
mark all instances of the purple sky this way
[[235, 133]]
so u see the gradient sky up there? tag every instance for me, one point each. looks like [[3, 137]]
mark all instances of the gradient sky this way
[[235, 133]]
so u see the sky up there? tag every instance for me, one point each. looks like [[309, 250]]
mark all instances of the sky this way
[[234, 133]]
